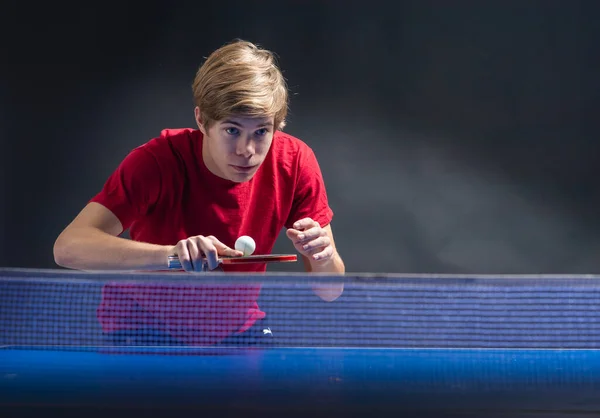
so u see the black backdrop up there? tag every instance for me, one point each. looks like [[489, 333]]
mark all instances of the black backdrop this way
[[454, 136]]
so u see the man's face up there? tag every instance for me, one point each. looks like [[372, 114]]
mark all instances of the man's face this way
[[234, 148]]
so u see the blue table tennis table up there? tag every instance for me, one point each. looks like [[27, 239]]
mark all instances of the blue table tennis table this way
[[299, 382], [551, 368]]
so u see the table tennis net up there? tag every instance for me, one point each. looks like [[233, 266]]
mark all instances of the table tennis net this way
[[79, 310]]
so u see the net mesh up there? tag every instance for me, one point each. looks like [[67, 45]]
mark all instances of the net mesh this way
[[73, 309]]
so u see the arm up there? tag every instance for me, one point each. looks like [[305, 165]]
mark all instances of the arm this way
[[320, 255], [309, 211], [331, 291], [91, 242]]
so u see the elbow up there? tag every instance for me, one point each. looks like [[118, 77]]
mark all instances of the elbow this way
[[329, 292], [61, 251]]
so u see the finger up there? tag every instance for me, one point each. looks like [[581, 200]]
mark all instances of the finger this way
[[195, 254], [184, 256], [310, 234], [316, 244], [210, 252], [223, 249], [229, 252], [292, 234], [326, 254], [305, 223]]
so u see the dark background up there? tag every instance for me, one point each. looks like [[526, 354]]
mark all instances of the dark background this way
[[454, 136]]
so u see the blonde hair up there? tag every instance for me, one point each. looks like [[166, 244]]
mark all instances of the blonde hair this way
[[240, 79]]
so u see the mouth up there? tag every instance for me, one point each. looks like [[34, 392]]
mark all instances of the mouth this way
[[243, 168]]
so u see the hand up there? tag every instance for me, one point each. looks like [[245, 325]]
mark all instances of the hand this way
[[311, 240], [192, 252]]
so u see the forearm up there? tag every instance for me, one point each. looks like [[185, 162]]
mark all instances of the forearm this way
[[335, 265], [330, 291], [88, 248]]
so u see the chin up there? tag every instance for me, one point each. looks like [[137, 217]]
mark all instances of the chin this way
[[241, 177]]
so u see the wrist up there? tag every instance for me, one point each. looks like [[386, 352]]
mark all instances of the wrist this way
[[333, 265], [162, 256]]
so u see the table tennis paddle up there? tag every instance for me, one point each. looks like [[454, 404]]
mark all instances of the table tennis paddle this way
[[175, 264]]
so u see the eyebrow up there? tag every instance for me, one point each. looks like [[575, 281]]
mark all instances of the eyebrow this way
[[240, 125]]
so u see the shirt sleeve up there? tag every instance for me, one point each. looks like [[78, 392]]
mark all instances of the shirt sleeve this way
[[133, 188], [310, 195]]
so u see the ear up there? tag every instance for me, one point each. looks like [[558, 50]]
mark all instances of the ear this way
[[198, 117]]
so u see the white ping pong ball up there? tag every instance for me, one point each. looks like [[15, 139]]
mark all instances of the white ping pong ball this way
[[245, 244]]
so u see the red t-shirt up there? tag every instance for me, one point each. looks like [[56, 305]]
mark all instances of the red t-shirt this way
[[163, 192]]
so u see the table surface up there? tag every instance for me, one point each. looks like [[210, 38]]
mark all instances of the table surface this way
[[299, 381]]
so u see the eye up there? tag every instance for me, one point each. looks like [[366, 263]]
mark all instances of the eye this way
[[232, 131], [262, 132]]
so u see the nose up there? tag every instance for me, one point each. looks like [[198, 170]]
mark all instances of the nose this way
[[245, 147]]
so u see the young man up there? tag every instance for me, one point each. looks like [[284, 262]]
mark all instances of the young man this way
[[192, 193]]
